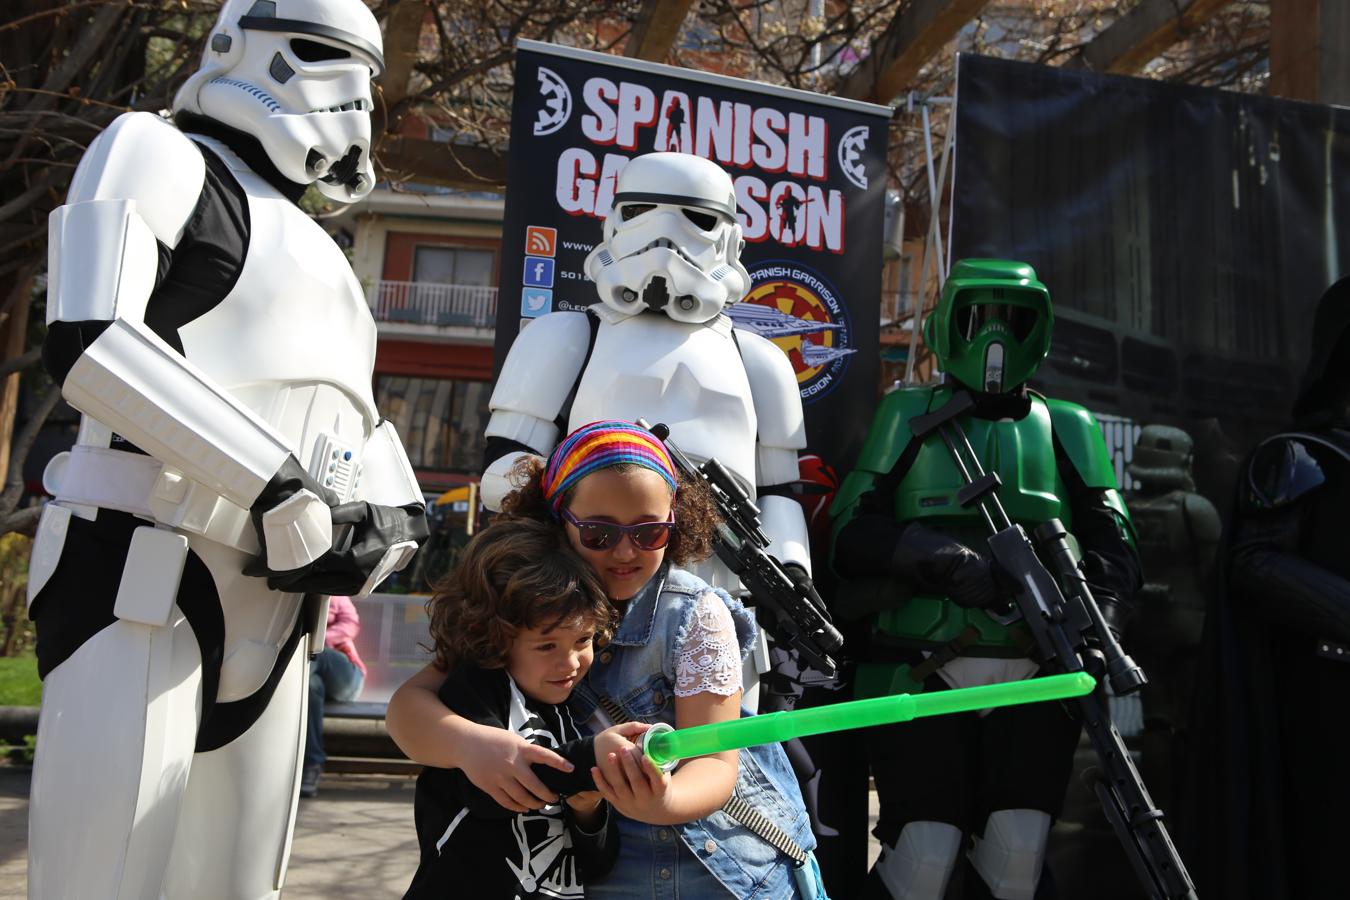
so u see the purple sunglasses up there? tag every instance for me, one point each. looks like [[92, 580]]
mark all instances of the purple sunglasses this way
[[606, 535]]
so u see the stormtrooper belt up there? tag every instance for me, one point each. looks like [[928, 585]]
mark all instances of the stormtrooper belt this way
[[143, 486]]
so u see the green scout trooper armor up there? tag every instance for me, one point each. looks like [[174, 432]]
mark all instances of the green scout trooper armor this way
[[916, 561], [991, 328]]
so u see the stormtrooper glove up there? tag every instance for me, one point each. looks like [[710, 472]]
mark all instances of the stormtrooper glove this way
[[312, 544]]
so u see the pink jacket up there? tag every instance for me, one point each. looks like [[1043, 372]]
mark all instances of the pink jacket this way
[[343, 626]]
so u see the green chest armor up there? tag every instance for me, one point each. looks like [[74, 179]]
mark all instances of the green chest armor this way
[[1022, 453]]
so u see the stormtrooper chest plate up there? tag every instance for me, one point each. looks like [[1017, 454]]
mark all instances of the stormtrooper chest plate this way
[[688, 376], [294, 339]]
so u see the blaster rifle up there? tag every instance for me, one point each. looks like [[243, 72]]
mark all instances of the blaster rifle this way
[[1062, 628], [798, 618]]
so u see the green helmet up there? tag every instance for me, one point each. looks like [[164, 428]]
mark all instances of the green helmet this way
[[991, 328]]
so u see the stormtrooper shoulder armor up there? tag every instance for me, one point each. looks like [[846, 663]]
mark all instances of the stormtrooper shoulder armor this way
[[543, 365], [135, 189], [143, 158]]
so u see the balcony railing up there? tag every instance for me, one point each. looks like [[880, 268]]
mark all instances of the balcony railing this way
[[430, 303]]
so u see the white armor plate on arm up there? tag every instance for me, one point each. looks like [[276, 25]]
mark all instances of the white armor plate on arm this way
[[782, 433], [101, 261], [134, 382], [540, 370], [785, 524], [778, 405], [496, 482]]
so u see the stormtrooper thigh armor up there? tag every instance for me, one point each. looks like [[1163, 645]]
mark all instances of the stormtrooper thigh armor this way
[[173, 706]]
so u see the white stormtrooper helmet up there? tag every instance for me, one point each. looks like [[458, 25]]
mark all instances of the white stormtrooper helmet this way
[[295, 74], [671, 241]]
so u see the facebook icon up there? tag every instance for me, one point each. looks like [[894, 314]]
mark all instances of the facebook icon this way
[[538, 271]]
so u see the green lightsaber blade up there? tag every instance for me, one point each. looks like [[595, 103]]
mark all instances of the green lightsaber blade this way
[[665, 746]]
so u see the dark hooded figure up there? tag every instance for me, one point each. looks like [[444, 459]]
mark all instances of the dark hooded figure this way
[[1266, 812]]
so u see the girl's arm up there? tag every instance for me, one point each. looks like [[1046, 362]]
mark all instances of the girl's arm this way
[[707, 681], [699, 786], [496, 761]]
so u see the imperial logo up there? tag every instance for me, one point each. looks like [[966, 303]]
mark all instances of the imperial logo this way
[[851, 146], [799, 311], [557, 105]]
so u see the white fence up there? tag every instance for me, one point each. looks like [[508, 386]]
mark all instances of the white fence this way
[[430, 303]]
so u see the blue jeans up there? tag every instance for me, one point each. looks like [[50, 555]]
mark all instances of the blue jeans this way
[[331, 677]]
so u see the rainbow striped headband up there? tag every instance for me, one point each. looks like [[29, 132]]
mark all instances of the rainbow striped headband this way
[[600, 445]]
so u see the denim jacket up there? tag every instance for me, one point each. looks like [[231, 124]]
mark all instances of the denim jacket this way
[[637, 670]]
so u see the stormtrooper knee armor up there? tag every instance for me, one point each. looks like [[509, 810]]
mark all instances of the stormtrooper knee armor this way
[[230, 462], [662, 350]]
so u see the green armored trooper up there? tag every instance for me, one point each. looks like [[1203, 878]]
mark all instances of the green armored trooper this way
[[1179, 534], [915, 561]]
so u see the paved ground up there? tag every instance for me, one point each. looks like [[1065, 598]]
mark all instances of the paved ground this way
[[354, 840]]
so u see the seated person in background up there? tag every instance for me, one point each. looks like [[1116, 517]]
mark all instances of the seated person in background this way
[[514, 626], [336, 674]]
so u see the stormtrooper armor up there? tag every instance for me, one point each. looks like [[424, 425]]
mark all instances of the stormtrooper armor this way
[[661, 349], [231, 469]]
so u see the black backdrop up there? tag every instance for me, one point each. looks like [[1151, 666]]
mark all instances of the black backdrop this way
[[1185, 233]]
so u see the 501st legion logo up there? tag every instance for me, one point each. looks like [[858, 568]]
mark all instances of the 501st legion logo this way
[[799, 311]]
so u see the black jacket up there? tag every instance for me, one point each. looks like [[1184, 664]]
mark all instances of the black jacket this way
[[470, 846]]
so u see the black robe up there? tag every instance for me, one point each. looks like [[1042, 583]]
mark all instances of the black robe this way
[[1262, 803]]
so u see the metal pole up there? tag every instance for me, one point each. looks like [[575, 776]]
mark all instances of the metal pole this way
[[933, 239]]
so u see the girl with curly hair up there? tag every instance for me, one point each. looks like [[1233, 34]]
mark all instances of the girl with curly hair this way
[[675, 657], [513, 628]]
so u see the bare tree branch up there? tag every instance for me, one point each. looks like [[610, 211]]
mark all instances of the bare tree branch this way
[[23, 442], [19, 363]]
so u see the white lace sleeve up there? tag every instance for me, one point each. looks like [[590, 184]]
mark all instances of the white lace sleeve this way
[[710, 658]]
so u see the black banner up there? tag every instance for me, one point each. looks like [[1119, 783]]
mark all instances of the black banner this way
[[810, 181], [1185, 234]]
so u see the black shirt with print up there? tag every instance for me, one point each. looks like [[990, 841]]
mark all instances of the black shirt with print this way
[[470, 846]]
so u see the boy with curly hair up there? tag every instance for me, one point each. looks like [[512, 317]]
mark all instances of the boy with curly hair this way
[[514, 626]]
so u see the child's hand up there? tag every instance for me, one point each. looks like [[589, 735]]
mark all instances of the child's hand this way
[[498, 763], [585, 801], [619, 737], [633, 785], [585, 808]]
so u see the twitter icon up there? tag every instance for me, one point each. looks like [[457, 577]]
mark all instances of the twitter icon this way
[[535, 302]]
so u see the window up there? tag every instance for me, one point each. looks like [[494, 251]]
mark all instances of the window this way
[[440, 420], [452, 265]]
